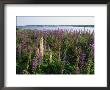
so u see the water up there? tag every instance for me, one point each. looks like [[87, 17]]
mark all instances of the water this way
[[56, 27]]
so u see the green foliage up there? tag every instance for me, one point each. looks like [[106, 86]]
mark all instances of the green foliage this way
[[62, 53]]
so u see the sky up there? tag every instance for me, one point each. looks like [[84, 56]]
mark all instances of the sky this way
[[54, 20]]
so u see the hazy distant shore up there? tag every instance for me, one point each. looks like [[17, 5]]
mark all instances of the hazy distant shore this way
[[56, 27]]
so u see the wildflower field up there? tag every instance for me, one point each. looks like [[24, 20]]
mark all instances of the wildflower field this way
[[54, 52]]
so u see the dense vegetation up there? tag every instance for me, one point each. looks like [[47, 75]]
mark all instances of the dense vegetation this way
[[54, 52]]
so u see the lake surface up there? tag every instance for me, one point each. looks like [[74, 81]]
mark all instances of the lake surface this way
[[58, 27]]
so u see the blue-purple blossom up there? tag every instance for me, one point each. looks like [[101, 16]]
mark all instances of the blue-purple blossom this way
[[39, 57], [34, 63], [82, 56]]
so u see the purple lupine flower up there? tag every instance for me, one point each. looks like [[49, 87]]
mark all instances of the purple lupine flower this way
[[82, 56], [92, 45], [34, 63], [39, 57], [23, 45], [82, 60]]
